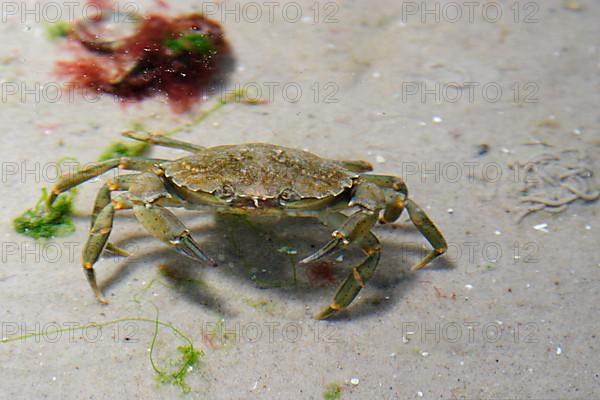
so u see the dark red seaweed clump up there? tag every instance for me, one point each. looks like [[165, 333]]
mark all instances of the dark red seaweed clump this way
[[177, 56]]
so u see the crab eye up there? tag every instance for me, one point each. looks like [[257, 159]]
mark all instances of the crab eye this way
[[224, 192], [289, 195]]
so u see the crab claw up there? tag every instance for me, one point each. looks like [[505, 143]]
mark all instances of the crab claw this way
[[187, 246], [164, 225], [323, 251]]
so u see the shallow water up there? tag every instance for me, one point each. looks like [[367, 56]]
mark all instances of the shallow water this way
[[461, 108]]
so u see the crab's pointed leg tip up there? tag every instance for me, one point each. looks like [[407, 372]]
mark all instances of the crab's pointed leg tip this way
[[323, 315]]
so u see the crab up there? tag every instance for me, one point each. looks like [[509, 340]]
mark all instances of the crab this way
[[252, 178]]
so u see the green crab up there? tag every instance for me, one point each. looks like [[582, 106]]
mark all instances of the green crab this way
[[252, 178]]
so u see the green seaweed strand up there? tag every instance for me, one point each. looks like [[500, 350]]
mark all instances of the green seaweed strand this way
[[189, 355], [121, 149], [189, 358]]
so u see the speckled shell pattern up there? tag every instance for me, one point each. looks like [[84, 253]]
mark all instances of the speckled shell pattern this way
[[259, 170]]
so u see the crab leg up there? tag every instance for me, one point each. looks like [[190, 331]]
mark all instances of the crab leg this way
[[103, 198], [69, 181], [161, 140], [356, 226], [97, 241], [146, 189], [359, 275], [165, 226], [356, 165], [396, 200], [429, 231], [370, 199]]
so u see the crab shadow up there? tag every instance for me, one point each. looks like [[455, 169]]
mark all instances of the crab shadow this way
[[265, 254]]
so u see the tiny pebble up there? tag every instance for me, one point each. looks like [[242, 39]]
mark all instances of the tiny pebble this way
[[376, 75], [53, 378], [379, 159], [469, 286], [577, 131], [498, 233], [437, 119], [354, 381], [424, 354], [422, 123], [420, 394], [572, 5], [541, 227], [558, 351], [483, 149], [528, 285], [588, 227], [451, 211]]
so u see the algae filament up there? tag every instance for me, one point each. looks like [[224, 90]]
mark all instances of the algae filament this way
[[120, 149]]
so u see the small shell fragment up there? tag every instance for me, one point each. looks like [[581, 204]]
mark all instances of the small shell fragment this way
[[541, 227]]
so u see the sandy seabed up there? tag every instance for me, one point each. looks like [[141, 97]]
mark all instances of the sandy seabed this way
[[476, 112]]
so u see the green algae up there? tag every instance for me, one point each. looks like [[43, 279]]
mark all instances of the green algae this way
[[47, 220], [333, 392]]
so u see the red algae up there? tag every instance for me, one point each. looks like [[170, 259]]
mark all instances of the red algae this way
[[175, 56], [321, 273]]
